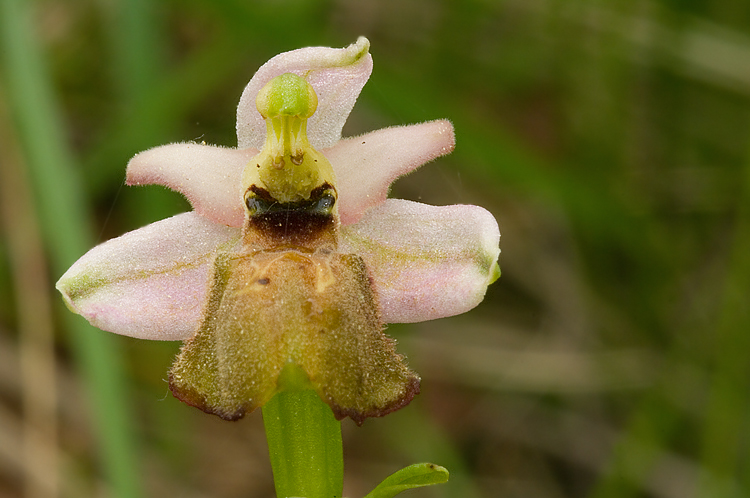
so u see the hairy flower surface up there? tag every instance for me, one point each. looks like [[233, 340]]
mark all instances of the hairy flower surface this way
[[293, 253]]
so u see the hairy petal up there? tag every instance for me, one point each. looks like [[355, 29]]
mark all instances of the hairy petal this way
[[366, 166], [426, 262], [150, 283], [208, 176], [336, 74]]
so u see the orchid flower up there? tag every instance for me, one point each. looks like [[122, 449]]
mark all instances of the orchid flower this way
[[292, 255]]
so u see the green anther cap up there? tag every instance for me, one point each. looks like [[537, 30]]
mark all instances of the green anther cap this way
[[287, 95]]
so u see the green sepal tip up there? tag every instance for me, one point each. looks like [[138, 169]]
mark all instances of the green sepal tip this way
[[494, 272]]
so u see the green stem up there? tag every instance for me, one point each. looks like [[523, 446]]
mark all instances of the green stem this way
[[304, 440]]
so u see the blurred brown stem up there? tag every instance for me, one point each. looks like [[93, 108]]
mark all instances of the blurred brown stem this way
[[34, 320]]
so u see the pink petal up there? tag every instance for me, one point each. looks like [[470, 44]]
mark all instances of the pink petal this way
[[426, 262], [208, 176], [336, 74], [151, 283], [366, 166]]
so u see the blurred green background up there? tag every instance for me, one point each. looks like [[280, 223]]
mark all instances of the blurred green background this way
[[610, 140]]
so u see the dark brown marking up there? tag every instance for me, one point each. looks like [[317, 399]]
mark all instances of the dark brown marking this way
[[291, 222]]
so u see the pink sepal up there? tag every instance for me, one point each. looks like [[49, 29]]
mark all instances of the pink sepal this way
[[426, 262], [150, 283]]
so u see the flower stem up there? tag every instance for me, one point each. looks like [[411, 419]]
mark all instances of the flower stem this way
[[304, 440]]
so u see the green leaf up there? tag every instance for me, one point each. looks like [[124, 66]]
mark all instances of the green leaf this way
[[413, 476]]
